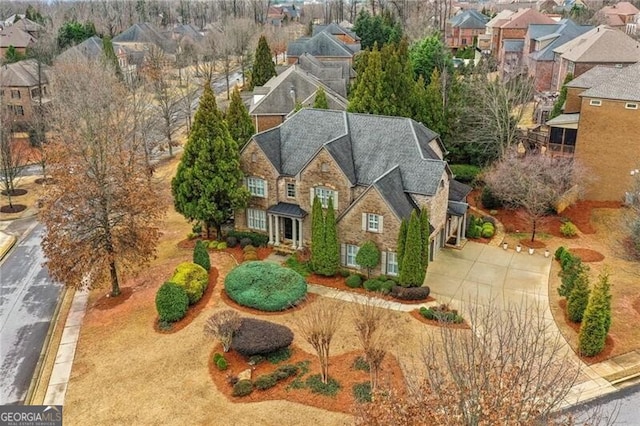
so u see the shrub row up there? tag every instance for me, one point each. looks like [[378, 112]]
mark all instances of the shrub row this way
[[193, 278], [481, 227], [255, 239], [250, 253], [379, 285], [266, 381], [442, 313], [185, 288]]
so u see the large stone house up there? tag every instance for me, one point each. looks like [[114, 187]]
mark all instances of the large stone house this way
[[376, 169], [24, 87], [599, 128]]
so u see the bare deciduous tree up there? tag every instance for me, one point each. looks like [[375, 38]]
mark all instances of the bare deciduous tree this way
[[102, 217], [242, 33], [633, 214], [222, 325], [13, 157], [318, 324], [535, 183]]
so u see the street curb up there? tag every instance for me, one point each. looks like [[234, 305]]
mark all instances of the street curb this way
[[7, 247], [46, 349]]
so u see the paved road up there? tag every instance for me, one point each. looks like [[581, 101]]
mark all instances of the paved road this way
[[28, 298], [619, 408]]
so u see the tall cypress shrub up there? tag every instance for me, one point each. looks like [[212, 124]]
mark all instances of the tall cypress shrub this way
[[579, 298], [424, 233], [330, 258], [201, 255], [412, 272], [317, 234], [402, 240]]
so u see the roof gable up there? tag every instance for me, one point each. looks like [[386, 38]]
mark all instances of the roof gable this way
[[595, 46], [524, 17], [469, 19], [321, 44], [623, 85], [22, 74]]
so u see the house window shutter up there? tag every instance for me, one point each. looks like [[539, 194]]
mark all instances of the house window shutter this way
[[312, 193], [343, 254], [266, 185], [383, 263], [335, 200], [364, 221], [380, 228]]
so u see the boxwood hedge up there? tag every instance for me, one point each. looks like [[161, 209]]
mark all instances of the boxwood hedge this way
[[265, 286], [193, 278]]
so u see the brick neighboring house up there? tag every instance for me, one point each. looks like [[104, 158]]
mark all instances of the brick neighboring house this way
[[324, 47], [139, 37], [20, 90], [599, 46], [599, 128], [376, 169], [463, 29], [623, 16], [273, 102], [539, 43], [16, 37]]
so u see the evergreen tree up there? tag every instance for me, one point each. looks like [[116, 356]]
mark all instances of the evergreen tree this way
[[402, 240], [368, 95], [238, 120], [433, 112], [379, 29], [110, 55], [412, 272], [368, 256], [330, 258], [73, 32], [579, 298], [321, 99], [310, 28], [593, 333], [207, 186], [263, 66], [317, 234], [562, 98], [201, 255], [12, 55], [398, 83], [428, 54], [605, 289], [425, 233], [571, 270]]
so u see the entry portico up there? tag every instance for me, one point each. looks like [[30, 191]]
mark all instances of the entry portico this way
[[284, 225]]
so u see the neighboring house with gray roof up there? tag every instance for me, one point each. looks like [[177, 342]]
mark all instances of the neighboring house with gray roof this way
[[24, 87], [335, 74], [143, 35], [16, 37], [463, 29], [599, 128], [273, 102], [539, 43], [376, 170], [344, 35], [324, 47], [600, 46]]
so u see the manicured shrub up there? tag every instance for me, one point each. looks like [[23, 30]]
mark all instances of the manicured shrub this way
[[566, 258], [265, 286], [278, 356], [201, 255], [413, 271], [245, 242], [212, 245], [217, 356], [489, 219], [465, 173], [362, 392], [571, 270], [368, 256], [314, 383], [257, 337], [266, 381], [354, 281], [559, 252], [386, 286], [490, 201], [193, 279], [222, 364], [256, 359], [361, 364], [221, 246], [232, 242], [285, 371], [242, 388], [441, 313], [579, 297], [171, 302], [410, 293], [372, 285], [488, 230], [344, 273], [568, 229], [250, 256], [257, 240]]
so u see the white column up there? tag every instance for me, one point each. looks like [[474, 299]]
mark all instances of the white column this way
[[294, 226], [270, 228], [300, 236], [459, 231], [277, 243], [464, 226]]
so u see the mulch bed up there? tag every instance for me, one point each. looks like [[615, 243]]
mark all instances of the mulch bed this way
[[609, 344], [416, 314], [587, 255], [194, 310], [580, 213], [340, 368], [238, 254], [45, 181], [535, 244], [15, 193], [107, 302], [16, 208], [309, 298]]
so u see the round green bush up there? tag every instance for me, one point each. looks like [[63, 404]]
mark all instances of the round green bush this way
[[353, 281], [171, 302], [568, 229], [212, 244], [265, 286], [217, 356], [242, 388], [221, 246], [193, 279], [372, 285], [488, 230], [386, 286], [222, 364]]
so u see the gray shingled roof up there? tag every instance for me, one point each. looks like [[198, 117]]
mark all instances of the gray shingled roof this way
[[145, 33], [469, 19], [364, 146], [321, 44], [458, 191], [390, 188], [623, 86], [90, 48], [335, 74], [457, 208], [287, 209], [563, 32], [334, 29], [593, 77], [601, 45], [22, 74], [513, 45]]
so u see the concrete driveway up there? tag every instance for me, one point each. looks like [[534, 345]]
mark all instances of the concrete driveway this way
[[482, 273]]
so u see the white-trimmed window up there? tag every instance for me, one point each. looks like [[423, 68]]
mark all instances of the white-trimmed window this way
[[257, 219], [372, 222], [291, 190], [595, 102], [631, 105], [350, 258], [257, 187], [392, 263], [324, 194]]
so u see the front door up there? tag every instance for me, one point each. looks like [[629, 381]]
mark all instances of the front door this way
[[288, 228]]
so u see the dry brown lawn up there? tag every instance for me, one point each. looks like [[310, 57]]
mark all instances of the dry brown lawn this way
[[34, 192], [126, 373]]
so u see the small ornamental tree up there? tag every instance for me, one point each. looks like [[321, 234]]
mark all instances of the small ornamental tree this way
[[368, 256], [222, 325], [263, 66], [578, 298], [238, 120], [412, 272], [559, 104], [321, 99], [201, 255], [425, 233], [317, 233], [402, 240]]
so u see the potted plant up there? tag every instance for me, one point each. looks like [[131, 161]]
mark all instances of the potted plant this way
[[546, 253], [531, 250], [505, 245], [518, 248]]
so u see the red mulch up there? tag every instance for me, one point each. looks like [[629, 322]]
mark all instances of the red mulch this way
[[535, 244], [416, 314], [107, 302], [340, 368], [589, 360], [580, 213], [309, 298], [587, 255], [238, 254], [194, 310], [338, 282]]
